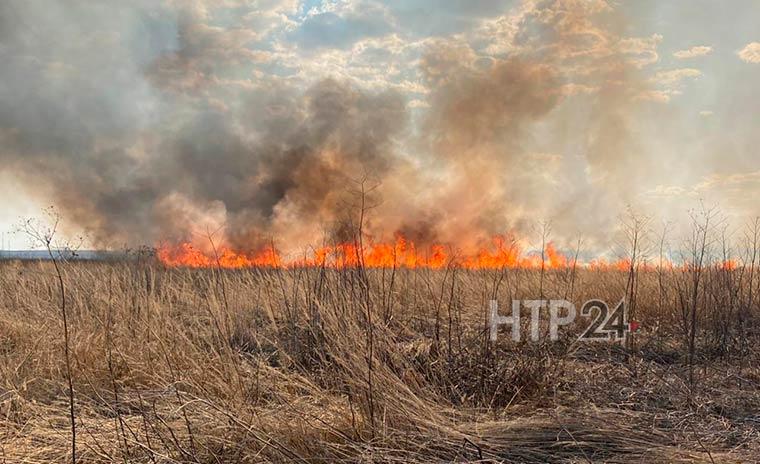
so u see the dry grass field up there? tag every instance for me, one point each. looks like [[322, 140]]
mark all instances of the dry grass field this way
[[280, 231], [324, 365]]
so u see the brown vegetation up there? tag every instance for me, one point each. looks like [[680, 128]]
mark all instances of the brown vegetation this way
[[320, 365]]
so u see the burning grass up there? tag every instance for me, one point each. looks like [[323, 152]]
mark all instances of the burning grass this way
[[319, 364], [402, 253]]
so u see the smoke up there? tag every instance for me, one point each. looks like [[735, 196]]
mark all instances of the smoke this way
[[475, 129], [489, 120], [133, 121]]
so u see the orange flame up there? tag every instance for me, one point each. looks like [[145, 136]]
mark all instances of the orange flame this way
[[501, 253], [185, 255], [401, 253]]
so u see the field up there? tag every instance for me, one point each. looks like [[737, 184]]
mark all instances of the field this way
[[378, 365]]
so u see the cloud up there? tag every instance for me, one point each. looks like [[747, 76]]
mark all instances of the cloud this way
[[583, 37], [738, 190], [725, 182], [669, 82], [572, 89], [441, 18], [663, 191], [342, 28], [675, 76], [641, 51], [715, 181], [693, 52], [658, 96], [750, 53], [416, 103]]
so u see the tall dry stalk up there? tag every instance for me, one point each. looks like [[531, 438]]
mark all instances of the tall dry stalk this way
[[698, 252], [41, 234]]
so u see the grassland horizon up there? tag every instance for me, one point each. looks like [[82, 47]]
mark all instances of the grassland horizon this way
[[314, 364]]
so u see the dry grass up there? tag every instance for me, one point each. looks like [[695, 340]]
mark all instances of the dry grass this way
[[312, 365]]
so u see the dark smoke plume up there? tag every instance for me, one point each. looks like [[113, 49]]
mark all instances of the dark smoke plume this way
[[122, 120]]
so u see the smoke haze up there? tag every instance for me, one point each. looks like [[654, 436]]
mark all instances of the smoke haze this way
[[151, 121]]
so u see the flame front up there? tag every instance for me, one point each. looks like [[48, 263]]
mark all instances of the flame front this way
[[502, 253], [185, 255]]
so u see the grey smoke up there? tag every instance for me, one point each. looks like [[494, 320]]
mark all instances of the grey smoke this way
[[115, 112], [93, 128]]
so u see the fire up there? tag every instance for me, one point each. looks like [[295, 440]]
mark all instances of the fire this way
[[502, 253], [185, 255], [602, 264]]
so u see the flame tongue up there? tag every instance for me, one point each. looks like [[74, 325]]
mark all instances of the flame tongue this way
[[185, 255]]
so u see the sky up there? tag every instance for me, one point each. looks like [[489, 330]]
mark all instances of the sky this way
[[147, 121]]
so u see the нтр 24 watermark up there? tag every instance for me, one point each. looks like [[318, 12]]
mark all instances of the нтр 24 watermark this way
[[609, 325]]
